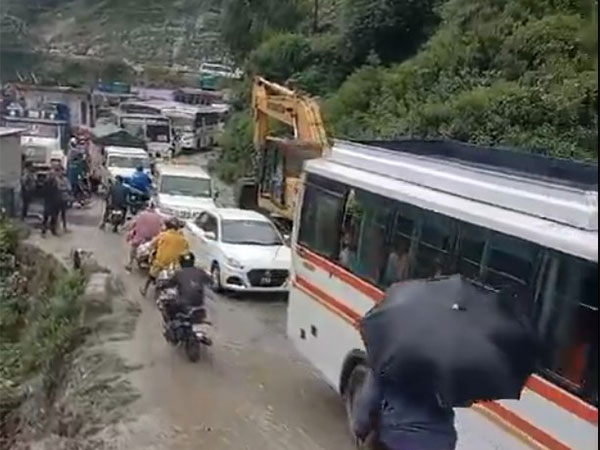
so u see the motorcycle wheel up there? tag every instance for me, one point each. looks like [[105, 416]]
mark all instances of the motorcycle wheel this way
[[192, 349]]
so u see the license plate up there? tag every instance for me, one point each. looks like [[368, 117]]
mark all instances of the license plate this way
[[265, 280], [198, 328]]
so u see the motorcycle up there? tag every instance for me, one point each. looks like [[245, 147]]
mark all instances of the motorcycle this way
[[182, 328], [137, 201]]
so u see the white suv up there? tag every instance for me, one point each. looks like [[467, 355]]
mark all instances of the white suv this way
[[241, 249], [183, 191]]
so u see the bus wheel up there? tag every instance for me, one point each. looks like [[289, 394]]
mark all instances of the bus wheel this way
[[355, 382]]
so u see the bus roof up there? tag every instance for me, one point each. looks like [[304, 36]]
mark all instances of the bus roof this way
[[156, 116], [570, 200], [581, 174], [513, 205]]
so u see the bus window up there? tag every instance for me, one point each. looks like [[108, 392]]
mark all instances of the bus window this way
[[400, 259], [321, 215], [436, 240], [509, 261], [567, 322], [371, 216], [471, 245]]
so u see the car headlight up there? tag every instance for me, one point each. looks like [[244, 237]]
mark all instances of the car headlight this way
[[234, 263]]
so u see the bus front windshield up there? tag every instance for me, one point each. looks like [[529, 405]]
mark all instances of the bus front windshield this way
[[158, 133], [186, 186]]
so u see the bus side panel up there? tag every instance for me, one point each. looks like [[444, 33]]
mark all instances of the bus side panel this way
[[558, 422], [321, 336]]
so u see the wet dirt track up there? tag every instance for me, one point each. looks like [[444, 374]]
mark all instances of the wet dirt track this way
[[251, 390]]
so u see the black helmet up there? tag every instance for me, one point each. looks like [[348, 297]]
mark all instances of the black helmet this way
[[173, 223], [187, 260], [119, 179]]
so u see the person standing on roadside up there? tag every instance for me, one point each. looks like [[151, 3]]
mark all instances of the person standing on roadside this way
[[144, 227], [64, 188], [28, 187], [51, 196]]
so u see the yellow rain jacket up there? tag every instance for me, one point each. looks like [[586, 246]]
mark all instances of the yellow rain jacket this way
[[169, 244]]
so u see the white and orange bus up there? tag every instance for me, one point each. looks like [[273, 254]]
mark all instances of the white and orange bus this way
[[377, 213]]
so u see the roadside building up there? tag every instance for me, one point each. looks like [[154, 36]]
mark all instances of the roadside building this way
[[77, 100], [10, 169]]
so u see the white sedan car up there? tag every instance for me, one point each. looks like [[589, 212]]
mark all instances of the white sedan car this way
[[241, 249]]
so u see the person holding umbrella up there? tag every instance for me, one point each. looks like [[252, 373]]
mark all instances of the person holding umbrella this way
[[395, 417], [435, 344]]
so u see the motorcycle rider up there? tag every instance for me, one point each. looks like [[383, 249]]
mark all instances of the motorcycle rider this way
[[116, 198], [189, 281], [145, 227], [169, 245], [141, 181]]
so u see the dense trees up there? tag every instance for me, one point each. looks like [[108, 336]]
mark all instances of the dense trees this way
[[520, 73], [513, 72]]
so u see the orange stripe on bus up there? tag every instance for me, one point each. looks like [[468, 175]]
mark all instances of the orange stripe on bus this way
[[537, 384], [521, 425], [331, 303], [360, 285], [563, 399]]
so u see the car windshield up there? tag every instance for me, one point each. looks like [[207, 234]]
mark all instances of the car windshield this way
[[38, 129], [249, 232], [187, 186], [127, 162]]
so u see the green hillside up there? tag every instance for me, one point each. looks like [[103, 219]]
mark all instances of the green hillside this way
[[180, 32], [516, 73]]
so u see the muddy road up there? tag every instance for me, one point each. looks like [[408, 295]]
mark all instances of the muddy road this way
[[250, 391]]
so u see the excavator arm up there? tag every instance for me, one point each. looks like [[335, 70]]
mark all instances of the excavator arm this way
[[300, 112], [280, 159]]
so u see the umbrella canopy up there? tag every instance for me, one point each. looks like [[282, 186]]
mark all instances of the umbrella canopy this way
[[453, 336]]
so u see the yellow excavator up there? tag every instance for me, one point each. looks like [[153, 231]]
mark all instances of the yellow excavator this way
[[279, 159]]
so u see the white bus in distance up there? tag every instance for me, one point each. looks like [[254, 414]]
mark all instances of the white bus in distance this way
[[154, 129], [196, 127], [372, 215]]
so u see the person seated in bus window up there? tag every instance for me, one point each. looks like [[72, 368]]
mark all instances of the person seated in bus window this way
[[347, 253], [397, 265]]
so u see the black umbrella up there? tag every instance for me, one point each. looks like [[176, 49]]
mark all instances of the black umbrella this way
[[453, 336]]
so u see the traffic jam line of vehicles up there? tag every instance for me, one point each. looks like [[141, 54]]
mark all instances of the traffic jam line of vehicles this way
[[365, 215]]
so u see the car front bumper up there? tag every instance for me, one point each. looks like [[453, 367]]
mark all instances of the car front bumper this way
[[240, 280]]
